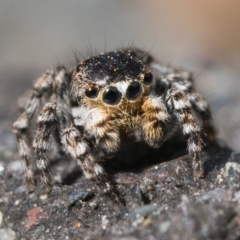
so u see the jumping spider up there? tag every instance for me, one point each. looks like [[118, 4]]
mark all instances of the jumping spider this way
[[107, 99]]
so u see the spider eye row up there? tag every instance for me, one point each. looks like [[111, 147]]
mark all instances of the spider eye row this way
[[91, 92], [112, 95]]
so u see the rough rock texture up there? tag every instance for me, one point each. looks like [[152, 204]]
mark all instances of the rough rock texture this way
[[162, 201]]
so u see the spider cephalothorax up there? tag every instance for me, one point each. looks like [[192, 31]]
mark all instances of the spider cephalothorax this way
[[114, 80], [110, 98]]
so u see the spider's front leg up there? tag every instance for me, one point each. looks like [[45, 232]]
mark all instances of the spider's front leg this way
[[102, 125], [99, 127], [78, 147], [182, 108], [154, 120], [46, 126]]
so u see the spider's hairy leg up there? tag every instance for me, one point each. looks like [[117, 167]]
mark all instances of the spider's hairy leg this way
[[202, 107], [78, 148], [153, 120], [183, 111], [102, 125], [183, 81], [42, 87], [20, 128], [104, 128], [46, 126]]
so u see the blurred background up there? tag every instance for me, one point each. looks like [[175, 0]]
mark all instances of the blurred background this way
[[201, 36]]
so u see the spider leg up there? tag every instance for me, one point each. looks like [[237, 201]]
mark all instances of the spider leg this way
[[183, 111], [41, 88], [202, 108], [184, 81], [20, 128], [46, 126], [75, 144], [153, 121], [104, 129]]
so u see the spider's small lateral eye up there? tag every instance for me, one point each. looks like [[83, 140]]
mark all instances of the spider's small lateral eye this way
[[78, 67], [148, 78], [133, 91], [91, 92], [111, 95]]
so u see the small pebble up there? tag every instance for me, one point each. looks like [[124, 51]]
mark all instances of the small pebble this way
[[78, 195], [143, 211], [7, 234]]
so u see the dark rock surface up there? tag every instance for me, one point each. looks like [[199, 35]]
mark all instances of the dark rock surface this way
[[163, 201]]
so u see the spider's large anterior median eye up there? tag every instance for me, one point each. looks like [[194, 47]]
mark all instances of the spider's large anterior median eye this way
[[111, 95], [148, 78], [91, 92], [133, 91]]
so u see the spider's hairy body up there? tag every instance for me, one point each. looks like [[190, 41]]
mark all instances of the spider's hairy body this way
[[110, 98]]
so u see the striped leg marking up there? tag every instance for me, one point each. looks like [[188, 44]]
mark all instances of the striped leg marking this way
[[183, 110]]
